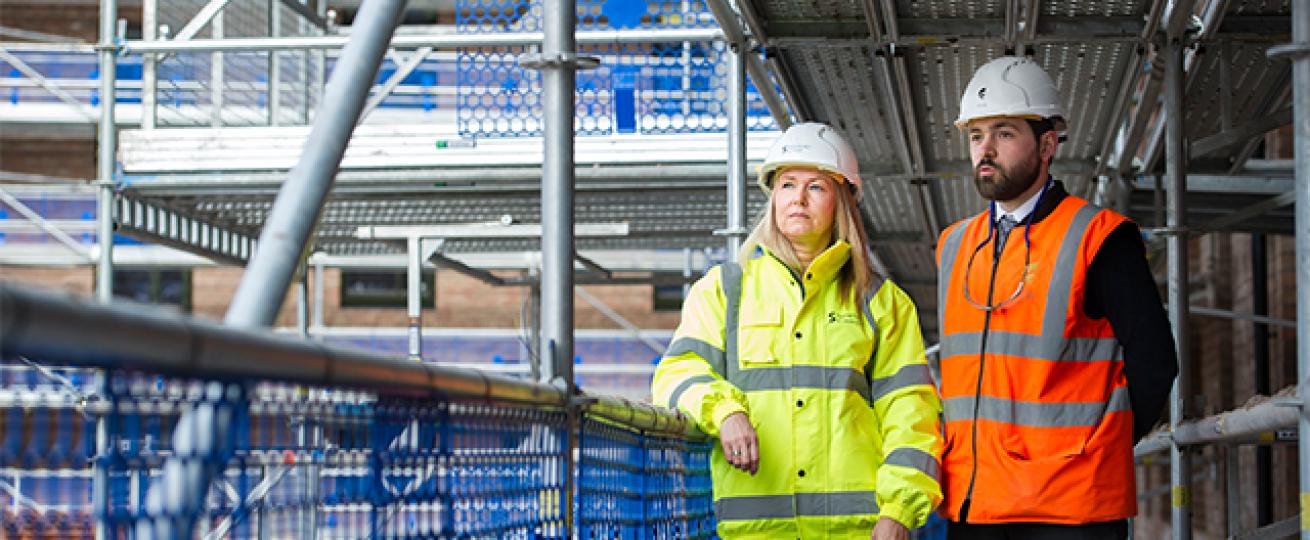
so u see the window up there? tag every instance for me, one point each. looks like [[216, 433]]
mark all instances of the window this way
[[383, 288], [667, 297], [166, 286]]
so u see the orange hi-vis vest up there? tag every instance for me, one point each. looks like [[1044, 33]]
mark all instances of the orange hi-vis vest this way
[[1038, 423]]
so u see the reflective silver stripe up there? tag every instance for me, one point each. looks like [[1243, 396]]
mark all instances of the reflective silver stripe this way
[[874, 287], [842, 503], [684, 386], [730, 279], [1049, 346], [1061, 285], [950, 249], [710, 353], [754, 507], [916, 459], [909, 375], [1034, 414], [785, 378]]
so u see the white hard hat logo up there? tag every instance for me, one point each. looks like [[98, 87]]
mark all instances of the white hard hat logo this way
[[1022, 89]]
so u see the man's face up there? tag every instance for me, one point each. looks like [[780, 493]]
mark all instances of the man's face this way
[[1005, 157]]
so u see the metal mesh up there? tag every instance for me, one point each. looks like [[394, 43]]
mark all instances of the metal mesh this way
[[468, 470], [374, 466], [317, 462], [47, 439], [239, 88], [649, 88], [635, 486]]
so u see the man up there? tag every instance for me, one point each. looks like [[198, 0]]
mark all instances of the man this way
[[1056, 353]]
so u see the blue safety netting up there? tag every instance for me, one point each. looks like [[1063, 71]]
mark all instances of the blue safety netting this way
[[635, 486], [324, 462]]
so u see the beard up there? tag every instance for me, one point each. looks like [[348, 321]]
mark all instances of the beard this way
[[1006, 184]]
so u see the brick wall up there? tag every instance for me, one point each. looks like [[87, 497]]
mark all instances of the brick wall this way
[[75, 21], [79, 281], [1222, 356], [50, 157]]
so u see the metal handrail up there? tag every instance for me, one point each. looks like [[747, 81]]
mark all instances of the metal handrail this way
[[1230, 426], [43, 324]]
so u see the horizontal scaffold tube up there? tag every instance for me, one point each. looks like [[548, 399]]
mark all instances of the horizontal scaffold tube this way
[[585, 37], [1232, 426], [644, 416], [53, 327]]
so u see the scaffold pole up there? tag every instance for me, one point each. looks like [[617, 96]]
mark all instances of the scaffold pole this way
[[1180, 464]]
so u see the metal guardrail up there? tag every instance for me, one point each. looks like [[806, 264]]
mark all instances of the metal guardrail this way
[[1235, 426], [639, 91], [328, 442]]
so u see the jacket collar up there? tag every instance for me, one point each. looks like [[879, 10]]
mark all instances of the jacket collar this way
[[825, 265], [1053, 198]]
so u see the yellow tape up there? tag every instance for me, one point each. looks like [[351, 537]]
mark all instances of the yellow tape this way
[[1267, 436], [1305, 512], [1182, 497]]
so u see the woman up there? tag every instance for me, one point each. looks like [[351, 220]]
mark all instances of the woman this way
[[808, 368]]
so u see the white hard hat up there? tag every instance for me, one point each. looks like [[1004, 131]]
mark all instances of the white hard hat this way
[[1011, 86], [815, 145]]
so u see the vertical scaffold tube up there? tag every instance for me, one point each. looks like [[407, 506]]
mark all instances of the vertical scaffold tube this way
[[108, 143], [736, 147], [1301, 119], [558, 77], [1180, 463]]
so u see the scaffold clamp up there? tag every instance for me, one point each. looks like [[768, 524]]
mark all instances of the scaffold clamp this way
[[558, 60]]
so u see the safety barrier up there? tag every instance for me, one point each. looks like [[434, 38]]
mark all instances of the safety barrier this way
[[328, 442]]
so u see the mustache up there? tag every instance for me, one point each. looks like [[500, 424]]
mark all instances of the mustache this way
[[987, 162]]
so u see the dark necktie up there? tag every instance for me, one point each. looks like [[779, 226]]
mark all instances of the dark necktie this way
[[1003, 228]]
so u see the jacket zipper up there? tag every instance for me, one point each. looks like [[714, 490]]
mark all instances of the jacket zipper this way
[[977, 392]]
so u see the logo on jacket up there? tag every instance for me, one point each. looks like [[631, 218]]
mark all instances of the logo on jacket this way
[[843, 318]]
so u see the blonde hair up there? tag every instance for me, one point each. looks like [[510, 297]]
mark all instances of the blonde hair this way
[[856, 275]]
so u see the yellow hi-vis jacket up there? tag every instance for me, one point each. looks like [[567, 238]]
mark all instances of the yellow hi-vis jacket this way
[[839, 394]]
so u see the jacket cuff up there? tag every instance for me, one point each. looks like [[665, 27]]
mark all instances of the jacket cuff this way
[[722, 410], [901, 514]]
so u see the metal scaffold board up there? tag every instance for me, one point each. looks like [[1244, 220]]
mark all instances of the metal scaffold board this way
[[891, 74], [669, 187], [659, 218]]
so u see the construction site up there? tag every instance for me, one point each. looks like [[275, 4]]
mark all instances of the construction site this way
[[405, 269]]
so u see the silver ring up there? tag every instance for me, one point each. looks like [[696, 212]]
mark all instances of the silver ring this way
[[736, 452]]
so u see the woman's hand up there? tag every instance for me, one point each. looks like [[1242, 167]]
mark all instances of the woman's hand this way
[[890, 529], [740, 444]]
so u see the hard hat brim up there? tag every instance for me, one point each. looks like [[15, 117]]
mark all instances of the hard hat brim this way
[[1059, 123], [766, 176]]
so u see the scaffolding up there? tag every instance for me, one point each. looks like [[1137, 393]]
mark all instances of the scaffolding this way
[[1167, 103]]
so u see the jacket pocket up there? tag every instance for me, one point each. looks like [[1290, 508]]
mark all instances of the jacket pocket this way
[[1030, 467], [760, 325]]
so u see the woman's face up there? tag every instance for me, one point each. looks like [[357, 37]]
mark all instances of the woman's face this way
[[804, 202]]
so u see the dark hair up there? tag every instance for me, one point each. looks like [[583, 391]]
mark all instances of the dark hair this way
[[1040, 127]]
